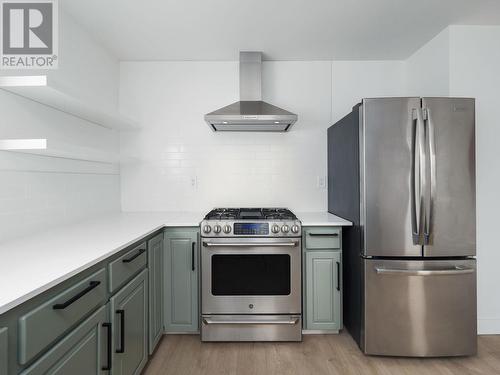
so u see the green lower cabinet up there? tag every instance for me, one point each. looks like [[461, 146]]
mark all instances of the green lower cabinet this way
[[81, 352], [323, 290], [129, 319], [181, 280], [4, 351], [156, 290]]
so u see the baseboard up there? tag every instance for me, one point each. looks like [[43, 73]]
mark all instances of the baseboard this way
[[488, 326], [320, 332]]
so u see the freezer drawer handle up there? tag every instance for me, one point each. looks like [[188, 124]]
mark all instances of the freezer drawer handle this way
[[249, 244], [287, 322], [442, 272]]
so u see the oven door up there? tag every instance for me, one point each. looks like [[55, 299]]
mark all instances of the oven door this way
[[251, 276]]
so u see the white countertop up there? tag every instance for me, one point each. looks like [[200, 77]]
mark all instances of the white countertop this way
[[321, 218], [34, 264]]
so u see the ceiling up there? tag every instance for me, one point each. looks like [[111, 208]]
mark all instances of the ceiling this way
[[283, 29]]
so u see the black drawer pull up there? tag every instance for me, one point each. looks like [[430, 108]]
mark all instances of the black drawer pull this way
[[192, 255], [338, 276], [122, 333], [128, 260], [324, 234], [110, 337], [62, 306]]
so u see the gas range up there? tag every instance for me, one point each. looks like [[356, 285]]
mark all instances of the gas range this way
[[250, 222], [251, 275]]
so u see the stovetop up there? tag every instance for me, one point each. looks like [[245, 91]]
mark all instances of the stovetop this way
[[250, 214], [250, 222]]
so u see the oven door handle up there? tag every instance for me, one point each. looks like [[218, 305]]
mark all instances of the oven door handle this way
[[285, 322], [249, 244]]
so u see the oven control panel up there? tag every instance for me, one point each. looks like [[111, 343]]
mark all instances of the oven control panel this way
[[226, 228], [250, 229]]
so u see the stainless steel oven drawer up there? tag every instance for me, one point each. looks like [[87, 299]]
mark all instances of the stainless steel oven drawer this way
[[251, 328]]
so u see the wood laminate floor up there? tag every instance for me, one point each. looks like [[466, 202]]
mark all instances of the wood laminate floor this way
[[316, 355]]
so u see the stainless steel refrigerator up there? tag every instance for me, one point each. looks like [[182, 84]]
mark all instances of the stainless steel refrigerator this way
[[403, 171]]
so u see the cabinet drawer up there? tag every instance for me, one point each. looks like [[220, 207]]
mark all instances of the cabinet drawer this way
[[81, 351], [124, 268], [322, 238], [41, 326]]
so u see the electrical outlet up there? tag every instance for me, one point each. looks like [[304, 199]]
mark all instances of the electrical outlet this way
[[321, 182], [194, 182]]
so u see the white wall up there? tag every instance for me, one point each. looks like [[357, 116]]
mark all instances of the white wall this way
[[39, 192], [236, 169], [354, 80], [427, 70], [474, 72]]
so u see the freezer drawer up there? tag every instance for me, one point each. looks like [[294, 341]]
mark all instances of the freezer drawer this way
[[420, 308]]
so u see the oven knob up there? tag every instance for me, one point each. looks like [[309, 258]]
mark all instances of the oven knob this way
[[227, 229], [207, 229], [295, 229], [275, 229], [285, 228], [217, 229]]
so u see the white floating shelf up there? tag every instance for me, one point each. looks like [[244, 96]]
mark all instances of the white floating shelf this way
[[44, 90], [22, 144], [58, 150]]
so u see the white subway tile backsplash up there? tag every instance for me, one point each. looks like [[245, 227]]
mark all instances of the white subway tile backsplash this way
[[232, 169], [48, 199]]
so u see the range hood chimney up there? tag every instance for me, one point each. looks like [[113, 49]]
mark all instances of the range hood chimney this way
[[251, 114]]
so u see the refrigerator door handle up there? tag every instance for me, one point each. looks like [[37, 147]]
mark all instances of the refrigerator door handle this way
[[417, 169], [439, 272], [429, 201]]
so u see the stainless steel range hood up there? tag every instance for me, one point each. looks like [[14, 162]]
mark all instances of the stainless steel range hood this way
[[251, 113]]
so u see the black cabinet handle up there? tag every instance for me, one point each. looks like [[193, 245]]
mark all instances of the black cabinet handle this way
[[338, 276], [128, 260], [324, 234], [110, 337], [62, 306], [192, 255], [122, 329]]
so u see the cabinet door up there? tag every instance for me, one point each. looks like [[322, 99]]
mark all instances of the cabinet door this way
[[323, 283], [129, 319], [3, 351], [155, 266], [81, 352], [181, 281]]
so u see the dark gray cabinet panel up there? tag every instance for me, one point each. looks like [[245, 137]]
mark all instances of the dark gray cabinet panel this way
[[3, 351], [81, 352], [129, 319], [156, 290], [181, 281]]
